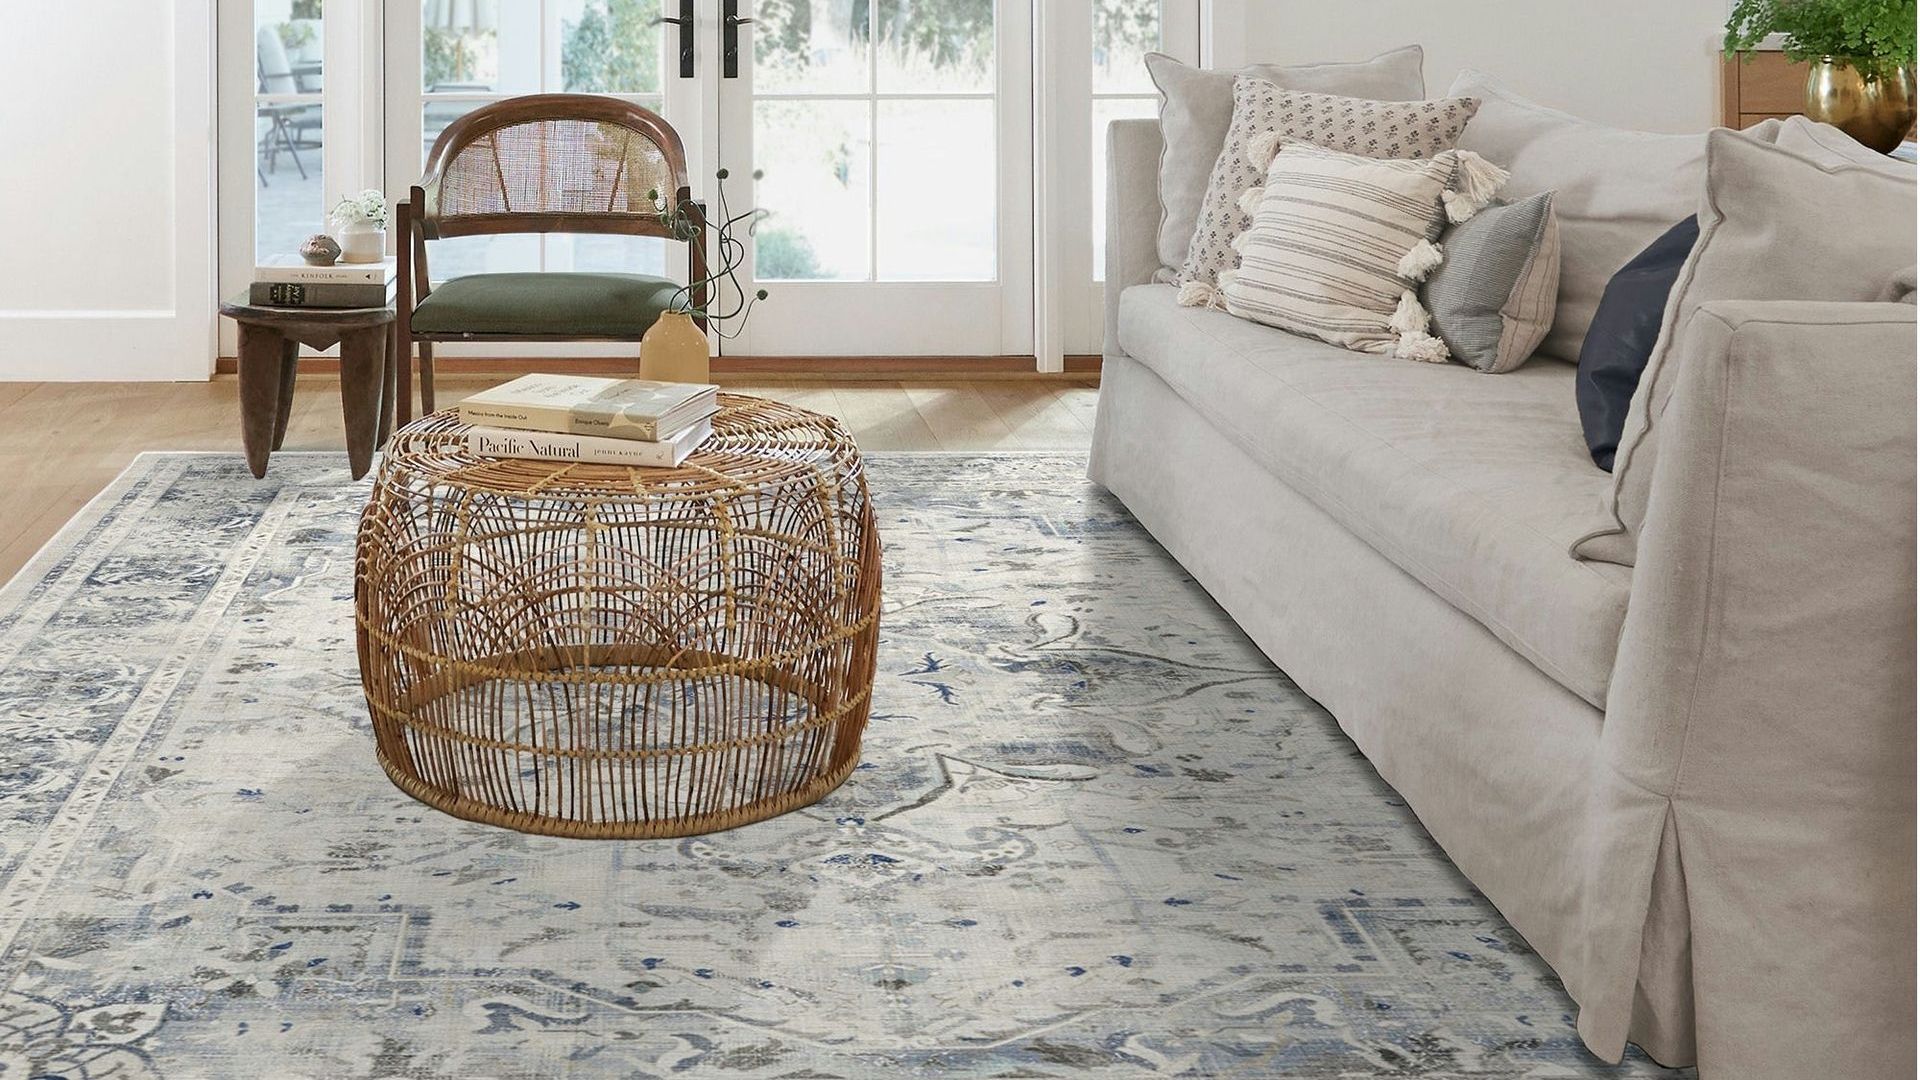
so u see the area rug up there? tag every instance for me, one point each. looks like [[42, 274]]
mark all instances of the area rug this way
[[1094, 833]]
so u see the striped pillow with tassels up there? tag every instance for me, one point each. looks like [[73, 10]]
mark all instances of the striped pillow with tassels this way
[[1340, 243]]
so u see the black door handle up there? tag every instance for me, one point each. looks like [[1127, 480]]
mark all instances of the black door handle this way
[[730, 24], [685, 23]]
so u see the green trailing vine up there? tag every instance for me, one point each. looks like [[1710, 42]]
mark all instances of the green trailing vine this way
[[684, 220], [1881, 31]]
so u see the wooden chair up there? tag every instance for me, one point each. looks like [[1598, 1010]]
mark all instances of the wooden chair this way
[[544, 163]]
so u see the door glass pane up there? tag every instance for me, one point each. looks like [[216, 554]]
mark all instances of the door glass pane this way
[[817, 157], [944, 47], [1106, 111], [460, 49], [475, 52], [810, 46], [610, 46], [289, 201], [937, 190], [1124, 32]]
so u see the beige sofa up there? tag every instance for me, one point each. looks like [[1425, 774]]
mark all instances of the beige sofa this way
[[1688, 782]]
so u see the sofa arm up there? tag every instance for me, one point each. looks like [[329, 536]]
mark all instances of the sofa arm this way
[[1764, 684], [1133, 213]]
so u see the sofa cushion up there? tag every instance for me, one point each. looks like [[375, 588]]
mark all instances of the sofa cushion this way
[[1196, 105], [1615, 190], [1265, 115], [1474, 486], [537, 304], [1774, 225]]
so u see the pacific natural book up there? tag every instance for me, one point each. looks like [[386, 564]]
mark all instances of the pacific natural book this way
[[588, 449], [582, 405]]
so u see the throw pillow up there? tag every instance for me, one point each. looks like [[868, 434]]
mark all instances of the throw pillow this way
[[1263, 114], [1492, 296], [1824, 142], [1622, 336], [1774, 225], [1339, 242], [1616, 190], [1196, 105]]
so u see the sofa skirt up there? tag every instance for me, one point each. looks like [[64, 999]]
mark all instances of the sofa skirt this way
[[1500, 762]]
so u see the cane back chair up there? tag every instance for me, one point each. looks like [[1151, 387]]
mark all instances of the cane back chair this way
[[542, 163]]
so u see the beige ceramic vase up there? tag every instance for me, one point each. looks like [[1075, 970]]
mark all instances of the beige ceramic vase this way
[[674, 350]]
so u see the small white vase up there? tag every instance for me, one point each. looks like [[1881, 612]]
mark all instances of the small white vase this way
[[362, 242]]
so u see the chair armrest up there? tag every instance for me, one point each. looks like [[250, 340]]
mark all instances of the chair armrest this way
[[1133, 213], [1763, 692]]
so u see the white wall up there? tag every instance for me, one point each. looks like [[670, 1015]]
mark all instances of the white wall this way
[[106, 238], [1650, 64]]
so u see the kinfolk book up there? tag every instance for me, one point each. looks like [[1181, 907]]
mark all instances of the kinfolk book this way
[[581, 405], [588, 449], [291, 270]]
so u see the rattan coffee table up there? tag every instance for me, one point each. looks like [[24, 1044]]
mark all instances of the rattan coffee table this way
[[604, 651]]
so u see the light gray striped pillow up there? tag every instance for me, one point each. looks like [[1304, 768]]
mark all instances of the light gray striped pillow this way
[[1492, 299], [1339, 242]]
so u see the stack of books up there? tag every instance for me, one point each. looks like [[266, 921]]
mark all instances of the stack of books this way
[[592, 421], [286, 281]]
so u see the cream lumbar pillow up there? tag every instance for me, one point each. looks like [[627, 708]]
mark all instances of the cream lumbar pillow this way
[[1339, 243], [1264, 113]]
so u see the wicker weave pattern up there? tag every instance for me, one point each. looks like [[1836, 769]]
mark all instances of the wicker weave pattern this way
[[557, 166], [601, 651]]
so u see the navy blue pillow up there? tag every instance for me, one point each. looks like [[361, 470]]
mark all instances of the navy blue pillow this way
[[1622, 336]]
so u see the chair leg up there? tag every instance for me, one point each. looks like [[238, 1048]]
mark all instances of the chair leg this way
[[388, 369], [286, 136], [426, 378]]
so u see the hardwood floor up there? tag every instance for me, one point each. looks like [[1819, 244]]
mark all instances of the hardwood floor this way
[[61, 443]]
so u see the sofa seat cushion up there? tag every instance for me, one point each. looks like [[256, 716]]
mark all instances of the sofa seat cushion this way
[[545, 305], [1473, 485]]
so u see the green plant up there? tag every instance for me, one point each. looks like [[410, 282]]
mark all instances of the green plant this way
[[613, 49], [1878, 30], [784, 255], [294, 35]]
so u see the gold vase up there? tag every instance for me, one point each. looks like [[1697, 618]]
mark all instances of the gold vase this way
[[674, 350], [1869, 100]]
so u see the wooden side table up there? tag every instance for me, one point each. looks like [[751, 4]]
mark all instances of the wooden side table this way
[[270, 340]]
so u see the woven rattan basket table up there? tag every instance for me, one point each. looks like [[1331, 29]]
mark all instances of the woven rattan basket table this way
[[604, 651]]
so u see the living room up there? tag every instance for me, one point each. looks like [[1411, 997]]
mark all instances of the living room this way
[[977, 538]]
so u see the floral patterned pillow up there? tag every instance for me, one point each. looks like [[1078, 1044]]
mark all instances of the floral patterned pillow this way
[[1263, 115]]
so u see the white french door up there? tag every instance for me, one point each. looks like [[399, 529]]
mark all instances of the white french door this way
[[893, 141], [931, 170]]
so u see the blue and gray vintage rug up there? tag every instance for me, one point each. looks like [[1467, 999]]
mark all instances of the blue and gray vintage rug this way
[[1095, 834]]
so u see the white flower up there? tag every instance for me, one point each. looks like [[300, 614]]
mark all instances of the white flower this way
[[369, 206]]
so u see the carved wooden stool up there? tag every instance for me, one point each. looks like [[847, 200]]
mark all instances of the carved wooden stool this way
[[270, 340]]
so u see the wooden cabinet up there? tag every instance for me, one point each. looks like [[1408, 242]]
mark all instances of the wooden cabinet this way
[[1768, 85]]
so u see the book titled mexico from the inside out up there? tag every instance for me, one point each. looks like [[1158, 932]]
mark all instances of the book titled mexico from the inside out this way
[[581, 405], [588, 449]]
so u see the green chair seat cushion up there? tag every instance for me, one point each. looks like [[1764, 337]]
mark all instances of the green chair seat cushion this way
[[545, 305]]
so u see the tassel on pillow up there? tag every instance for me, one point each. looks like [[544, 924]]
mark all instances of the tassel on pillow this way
[[1410, 321], [1475, 182], [1262, 148], [1424, 259]]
